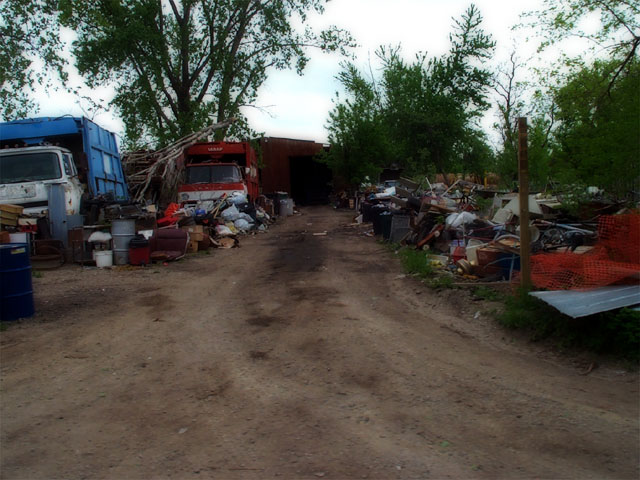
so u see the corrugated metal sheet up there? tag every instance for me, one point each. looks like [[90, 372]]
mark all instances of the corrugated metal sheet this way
[[580, 303], [276, 155]]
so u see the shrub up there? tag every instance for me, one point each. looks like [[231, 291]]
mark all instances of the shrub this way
[[416, 262], [616, 332]]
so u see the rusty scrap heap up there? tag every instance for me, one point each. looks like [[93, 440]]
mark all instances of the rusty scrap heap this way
[[473, 232]]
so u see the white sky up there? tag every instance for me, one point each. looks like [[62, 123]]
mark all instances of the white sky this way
[[298, 106]]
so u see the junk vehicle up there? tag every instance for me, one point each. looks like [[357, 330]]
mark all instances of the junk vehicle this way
[[75, 152], [213, 169]]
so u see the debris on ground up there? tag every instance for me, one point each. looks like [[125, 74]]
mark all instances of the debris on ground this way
[[473, 232]]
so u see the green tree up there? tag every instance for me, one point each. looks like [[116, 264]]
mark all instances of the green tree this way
[[598, 136], [475, 155], [360, 146], [510, 105], [618, 34], [29, 35], [179, 65], [421, 114], [585, 127]]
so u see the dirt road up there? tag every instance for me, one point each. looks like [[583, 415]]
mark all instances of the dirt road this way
[[295, 356]]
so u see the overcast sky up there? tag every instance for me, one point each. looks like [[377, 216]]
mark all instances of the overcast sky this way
[[298, 106]]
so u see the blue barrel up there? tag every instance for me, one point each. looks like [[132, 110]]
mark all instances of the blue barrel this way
[[16, 291]]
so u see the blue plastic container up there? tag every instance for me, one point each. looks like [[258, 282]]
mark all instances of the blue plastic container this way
[[16, 291]]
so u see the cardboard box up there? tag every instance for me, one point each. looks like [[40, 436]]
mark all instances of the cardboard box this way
[[194, 229], [192, 247], [196, 232]]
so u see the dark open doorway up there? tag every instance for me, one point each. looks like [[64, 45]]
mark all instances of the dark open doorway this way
[[310, 180]]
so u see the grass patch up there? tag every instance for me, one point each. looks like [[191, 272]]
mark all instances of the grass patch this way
[[420, 264], [442, 281], [616, 332], [487, 293], [392, 247], [416, 262], [36, 274]]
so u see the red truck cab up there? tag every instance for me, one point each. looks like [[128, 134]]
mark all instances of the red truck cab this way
[[213, 169]]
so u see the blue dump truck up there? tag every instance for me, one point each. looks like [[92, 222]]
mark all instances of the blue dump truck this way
[[69, 151]]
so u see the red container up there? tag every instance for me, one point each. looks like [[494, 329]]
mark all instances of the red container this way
[[458, 254], [140, 255]]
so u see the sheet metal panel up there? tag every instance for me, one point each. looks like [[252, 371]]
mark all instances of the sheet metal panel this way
[[276, 154], [581, 303]]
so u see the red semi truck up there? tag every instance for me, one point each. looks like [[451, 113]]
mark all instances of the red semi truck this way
[[213, 169]]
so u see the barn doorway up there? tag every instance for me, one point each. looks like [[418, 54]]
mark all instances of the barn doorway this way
[[310, 181]]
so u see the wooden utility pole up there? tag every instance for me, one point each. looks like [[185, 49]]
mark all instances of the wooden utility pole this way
[[523, 179]]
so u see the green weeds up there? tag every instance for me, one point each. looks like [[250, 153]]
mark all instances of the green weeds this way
[[616, 332], [420, 264], [487, 293], [416, 262], [441, 281]]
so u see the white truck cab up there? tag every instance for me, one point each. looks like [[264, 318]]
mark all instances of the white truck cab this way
[[27, 173]]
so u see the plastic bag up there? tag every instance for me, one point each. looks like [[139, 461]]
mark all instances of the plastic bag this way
[[223, 230], [99, 237], [230, 214], [242, 224], [238, 198], [457, 219]]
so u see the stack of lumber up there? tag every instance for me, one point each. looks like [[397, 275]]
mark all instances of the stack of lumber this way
[[9, 215]]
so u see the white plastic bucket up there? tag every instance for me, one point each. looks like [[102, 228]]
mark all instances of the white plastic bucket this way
[[104, 258], [472, 246]]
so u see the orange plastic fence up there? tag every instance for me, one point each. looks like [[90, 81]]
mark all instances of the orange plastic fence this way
[[614, 259]]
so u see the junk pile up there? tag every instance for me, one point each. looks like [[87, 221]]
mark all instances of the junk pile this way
[[137, 234], [156, 175], [181, 230], [475, 233], [229, 217]]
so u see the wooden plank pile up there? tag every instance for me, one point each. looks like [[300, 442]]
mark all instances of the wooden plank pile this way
[[9, 215]]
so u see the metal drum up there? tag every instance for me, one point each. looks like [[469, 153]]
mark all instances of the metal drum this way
[[16, 291], [122, 231]]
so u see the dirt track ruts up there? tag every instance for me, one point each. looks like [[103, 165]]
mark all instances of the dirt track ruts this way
[[295, 356]]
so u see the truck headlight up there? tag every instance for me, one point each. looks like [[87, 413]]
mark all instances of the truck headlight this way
[[184, 197]]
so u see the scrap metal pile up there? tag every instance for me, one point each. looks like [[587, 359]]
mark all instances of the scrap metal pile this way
[[220, 226], [474, 232]]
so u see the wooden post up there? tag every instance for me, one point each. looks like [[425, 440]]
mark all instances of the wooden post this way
[[523, 179]]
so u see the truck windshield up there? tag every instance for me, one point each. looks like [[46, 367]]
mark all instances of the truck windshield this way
[[213, 174], [29, 167]]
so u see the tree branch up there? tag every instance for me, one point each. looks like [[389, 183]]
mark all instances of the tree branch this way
[[624, 63], [617, 17]]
